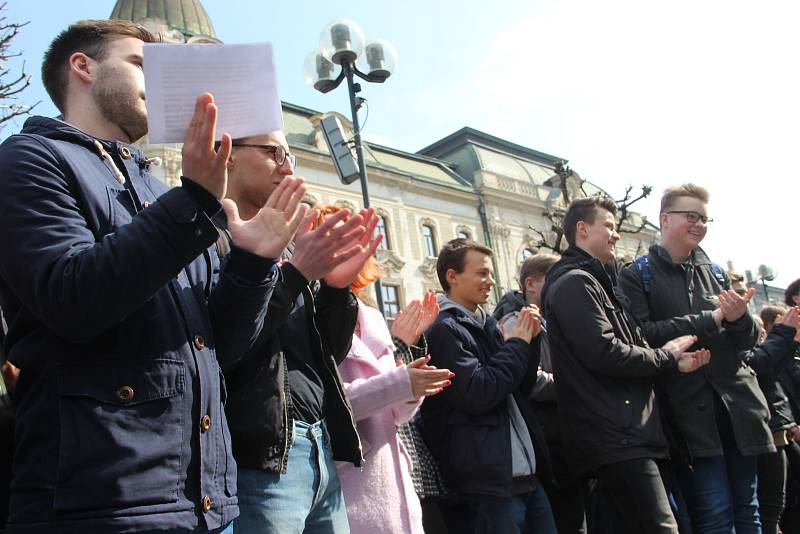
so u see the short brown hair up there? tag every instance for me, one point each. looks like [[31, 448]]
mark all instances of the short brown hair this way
[[536, 267], [585, 209], [671, 194], [452, 257], [90, 37], [769, 314]]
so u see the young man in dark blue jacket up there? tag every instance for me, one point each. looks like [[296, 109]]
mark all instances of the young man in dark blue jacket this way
[[116, 319], [480, 429]]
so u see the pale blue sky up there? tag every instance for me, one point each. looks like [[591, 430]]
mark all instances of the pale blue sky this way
[[629, 91]]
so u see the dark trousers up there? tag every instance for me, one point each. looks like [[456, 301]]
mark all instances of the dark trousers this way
[[519, 514], [771, 489], [635, 489], [570, 503]]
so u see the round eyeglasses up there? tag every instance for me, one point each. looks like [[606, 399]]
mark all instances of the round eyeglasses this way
[[278, 152]]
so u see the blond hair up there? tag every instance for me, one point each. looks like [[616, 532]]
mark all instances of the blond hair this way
[[671, 194]]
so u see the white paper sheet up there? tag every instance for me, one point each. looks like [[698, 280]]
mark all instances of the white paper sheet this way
[[240, 76]]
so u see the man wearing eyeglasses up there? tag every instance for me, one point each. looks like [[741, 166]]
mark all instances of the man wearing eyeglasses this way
[[287, 410], [717, 418]]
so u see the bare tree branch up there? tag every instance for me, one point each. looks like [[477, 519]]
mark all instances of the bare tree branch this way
[[10, 90]]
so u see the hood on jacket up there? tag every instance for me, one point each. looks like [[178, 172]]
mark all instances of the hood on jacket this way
[[477, 317], [512, 301], [59, 130], [577, 258]]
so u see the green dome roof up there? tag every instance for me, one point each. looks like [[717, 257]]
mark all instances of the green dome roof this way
[[186, 16]]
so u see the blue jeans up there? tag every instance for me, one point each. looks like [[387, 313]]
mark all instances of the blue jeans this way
[[308, 498], [721, 493], [227, 529], [525, 513]]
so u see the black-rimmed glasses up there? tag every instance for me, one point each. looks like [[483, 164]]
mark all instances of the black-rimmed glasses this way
[[693, 216], [279, 153]]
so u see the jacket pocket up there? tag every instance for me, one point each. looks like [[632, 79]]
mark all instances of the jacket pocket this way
[[477, 443], [121, 434]]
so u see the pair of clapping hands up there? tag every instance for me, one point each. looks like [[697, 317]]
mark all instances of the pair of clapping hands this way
[[732, 305], [408, 326], [791, 319], [335, 251], [687, 361]]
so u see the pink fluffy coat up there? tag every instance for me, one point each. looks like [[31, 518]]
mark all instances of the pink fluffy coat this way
[[380, 498]]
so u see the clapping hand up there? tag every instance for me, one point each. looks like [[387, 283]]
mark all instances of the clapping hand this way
[[791, 319], [427, 380], [529, 324], [687, 361], [343, 274], [275, 224], [732, 305], [692, 361], [201, 163], [414, 319]]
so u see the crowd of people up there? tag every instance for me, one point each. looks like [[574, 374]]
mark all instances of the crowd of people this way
[[208, 358]]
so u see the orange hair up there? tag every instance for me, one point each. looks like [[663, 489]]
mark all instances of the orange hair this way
[[369, 272]]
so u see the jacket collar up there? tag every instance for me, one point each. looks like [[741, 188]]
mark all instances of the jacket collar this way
[[63, 131], [697, 257], [577, 258]]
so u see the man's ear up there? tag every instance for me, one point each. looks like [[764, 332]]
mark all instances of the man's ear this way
[[82, 66], [528, 283], [580, 229], [663, 217], [230, 164], [450, 276]]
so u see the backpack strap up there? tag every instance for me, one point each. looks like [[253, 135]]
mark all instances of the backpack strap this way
[[719, 274], [642, 264]]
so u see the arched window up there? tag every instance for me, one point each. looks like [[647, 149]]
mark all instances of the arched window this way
[[382, 229], [463, 234], [429, 240]]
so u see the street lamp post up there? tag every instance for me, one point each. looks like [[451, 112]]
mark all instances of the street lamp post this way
[[342, 43]]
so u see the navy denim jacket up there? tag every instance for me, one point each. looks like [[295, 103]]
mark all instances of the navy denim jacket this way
[[116, 319]]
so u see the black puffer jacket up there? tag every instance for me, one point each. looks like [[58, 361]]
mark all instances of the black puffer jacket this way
[[680, 302], [259, 399], [603, 367]]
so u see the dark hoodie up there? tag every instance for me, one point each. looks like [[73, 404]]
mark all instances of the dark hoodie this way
[[602, 365], [512, 301], [116, 319]]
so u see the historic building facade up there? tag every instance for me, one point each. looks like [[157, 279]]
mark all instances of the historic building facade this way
[[469, 184]]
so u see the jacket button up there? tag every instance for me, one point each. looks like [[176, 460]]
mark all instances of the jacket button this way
[[701, 407], [205, 423], [146, 204], [125, 394], [125, 152], [207, 504], [627, 401], [199, 342]]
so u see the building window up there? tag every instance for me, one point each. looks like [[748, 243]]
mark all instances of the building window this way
[[391, 300], [429, 240], [463, 234], [381, 228], [525, 254]]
